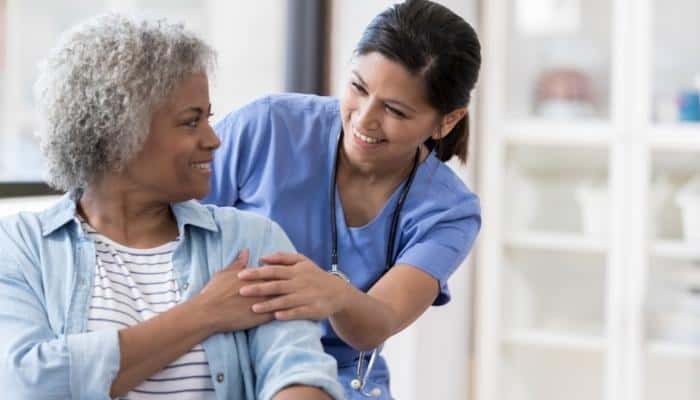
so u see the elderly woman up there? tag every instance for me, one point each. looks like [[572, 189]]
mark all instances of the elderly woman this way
[[127, 287]]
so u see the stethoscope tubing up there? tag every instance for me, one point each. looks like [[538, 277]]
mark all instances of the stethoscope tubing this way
[[362, 374]]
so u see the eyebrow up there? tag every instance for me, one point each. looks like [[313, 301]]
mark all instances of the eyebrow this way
[[197, 110], [390, 101]]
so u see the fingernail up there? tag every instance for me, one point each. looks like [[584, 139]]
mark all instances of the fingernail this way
[[257, 307]]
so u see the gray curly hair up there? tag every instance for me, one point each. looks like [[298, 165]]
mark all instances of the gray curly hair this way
[[97, 89]]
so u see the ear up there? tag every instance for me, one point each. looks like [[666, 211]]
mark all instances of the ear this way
[[448, 121]]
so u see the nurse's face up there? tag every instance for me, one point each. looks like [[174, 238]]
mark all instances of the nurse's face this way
[[175, 163], [384, 111]]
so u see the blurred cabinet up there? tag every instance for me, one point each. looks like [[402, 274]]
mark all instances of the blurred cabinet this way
[[589, 263]]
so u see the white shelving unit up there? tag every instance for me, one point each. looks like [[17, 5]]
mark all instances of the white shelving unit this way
[[548, 340], [587, 286]]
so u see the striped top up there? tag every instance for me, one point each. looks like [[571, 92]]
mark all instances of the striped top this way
[[131, 286]]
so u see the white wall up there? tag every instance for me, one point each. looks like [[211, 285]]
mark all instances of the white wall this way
[[16, 204], [430, 359], [249, 40]]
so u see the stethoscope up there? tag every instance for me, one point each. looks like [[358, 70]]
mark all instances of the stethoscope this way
[[361, 374]]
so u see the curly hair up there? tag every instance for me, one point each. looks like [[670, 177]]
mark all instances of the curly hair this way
[[97, 89]]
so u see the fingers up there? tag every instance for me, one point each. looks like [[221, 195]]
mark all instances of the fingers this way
[[303, 312], [282, 258], [240, 261], [269, 288], [290, 307], [266, 273], [279, 303]]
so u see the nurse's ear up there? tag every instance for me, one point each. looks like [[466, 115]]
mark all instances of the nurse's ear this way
[[448, 121]]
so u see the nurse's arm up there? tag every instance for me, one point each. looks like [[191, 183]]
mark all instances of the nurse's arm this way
[[366, 320], [302, 290]]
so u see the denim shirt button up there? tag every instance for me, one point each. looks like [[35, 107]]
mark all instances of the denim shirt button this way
[[185, 286], [219, 377]]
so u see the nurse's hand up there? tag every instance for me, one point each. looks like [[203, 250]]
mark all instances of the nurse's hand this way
[[300, 289]]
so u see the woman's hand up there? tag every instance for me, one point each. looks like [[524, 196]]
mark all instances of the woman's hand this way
[[300, 289], [223, 306]]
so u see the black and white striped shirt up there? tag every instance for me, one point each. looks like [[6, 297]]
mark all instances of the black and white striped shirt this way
[[131, 286]]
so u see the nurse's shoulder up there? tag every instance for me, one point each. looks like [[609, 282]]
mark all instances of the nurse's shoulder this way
[[447, 190], [282, 113]]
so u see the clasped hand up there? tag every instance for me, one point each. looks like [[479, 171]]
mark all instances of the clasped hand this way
[[298, 288], [222, 305]]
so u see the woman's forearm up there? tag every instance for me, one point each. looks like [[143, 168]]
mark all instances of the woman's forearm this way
[[364, 322], [151, 345], [301, 392]]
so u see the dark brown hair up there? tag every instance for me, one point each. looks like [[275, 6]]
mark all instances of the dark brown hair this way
[[429, 39]]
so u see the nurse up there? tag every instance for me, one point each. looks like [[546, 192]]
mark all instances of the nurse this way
[[361, 188]]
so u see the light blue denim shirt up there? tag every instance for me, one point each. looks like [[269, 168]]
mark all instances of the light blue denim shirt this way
[[47, 264]]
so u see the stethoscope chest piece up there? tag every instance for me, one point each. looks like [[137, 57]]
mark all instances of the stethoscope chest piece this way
[[355, 384]]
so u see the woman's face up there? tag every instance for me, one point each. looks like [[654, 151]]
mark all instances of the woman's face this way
[[384, 111], [175, 162]]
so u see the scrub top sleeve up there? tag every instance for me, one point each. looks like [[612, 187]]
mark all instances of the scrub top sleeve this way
[[441, 242], [243, 134]]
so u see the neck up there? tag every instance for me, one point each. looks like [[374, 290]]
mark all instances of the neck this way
[[378, 172], [127, 215]]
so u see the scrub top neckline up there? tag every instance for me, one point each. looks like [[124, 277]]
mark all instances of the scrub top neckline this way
[[389, 203]]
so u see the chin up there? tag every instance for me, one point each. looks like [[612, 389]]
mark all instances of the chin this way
[[198, 195], [193, 194]]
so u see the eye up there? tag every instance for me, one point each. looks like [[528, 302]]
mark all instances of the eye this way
[[395, 111], [358, 87], [192, 123]]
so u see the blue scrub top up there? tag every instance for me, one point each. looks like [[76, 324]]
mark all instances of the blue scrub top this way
[[276, 159]]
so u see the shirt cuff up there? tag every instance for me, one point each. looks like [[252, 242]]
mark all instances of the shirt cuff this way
[[94, 363]]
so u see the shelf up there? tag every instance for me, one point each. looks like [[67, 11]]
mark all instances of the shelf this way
[[676, 249], [596, 134], [555, 340], [555, 241], [673, 350], [676, 137]]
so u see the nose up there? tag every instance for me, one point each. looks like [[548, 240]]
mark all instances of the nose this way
[[210, 141], [367, 115]]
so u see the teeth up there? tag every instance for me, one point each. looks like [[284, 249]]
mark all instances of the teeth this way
[[364, 138], [204, 166]]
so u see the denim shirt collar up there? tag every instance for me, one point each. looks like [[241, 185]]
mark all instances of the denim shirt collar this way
[[186, 213]]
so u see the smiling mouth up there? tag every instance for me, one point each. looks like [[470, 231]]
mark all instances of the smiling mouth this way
[[202, 166], [366, 139]]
